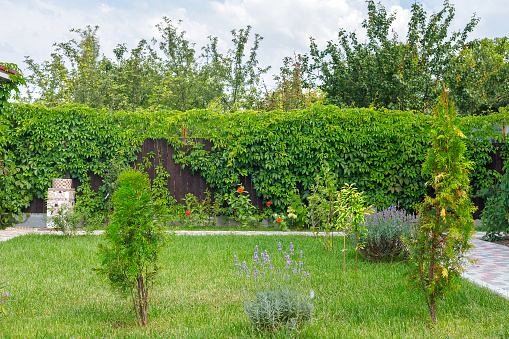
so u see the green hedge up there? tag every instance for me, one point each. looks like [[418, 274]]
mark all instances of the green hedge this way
[[379, 151]]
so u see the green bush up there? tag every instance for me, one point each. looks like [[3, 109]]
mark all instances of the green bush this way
[[274, 309], [129, 258], [385, 229], [495, 216]]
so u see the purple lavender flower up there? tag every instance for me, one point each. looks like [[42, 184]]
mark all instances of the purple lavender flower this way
[[279, 246], [301, 254], [235, 258], [291, 247]]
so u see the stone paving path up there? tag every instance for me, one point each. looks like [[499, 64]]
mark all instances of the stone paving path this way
[[491, 269]]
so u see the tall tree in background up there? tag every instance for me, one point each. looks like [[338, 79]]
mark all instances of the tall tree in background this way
[[291, 91], [82, 83], [185, 78], [242, 76], [478, 76], [384, 71], [182, 79], [132, 77]]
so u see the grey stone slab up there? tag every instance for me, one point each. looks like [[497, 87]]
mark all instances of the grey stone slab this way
[[33, 220]]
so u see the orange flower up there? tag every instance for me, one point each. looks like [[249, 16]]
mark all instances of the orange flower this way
[[268, 203], [240, 189], [278, 219]]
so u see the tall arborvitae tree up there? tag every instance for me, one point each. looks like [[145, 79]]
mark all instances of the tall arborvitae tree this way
[[438, 250]]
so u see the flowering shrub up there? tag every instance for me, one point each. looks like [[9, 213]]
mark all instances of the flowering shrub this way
[[241, 209], [385, 229], [278, 284], [298, 214]]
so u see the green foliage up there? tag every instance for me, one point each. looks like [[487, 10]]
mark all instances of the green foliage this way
[[385, 71], [289, 92], [274, 309], [380, 151], [322, 214], [441, 243], [241, 209], [351, 210], [298, 213], [129, 258], [66, 220], [176, 78], [280, 284], [385, 230], [477, 76], [495, 216], [10, 182]]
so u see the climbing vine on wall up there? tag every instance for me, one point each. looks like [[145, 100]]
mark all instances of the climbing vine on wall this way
[[381, 152]]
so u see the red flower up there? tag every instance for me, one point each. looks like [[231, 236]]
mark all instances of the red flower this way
[[269, 203], [278, 219], [188, 212], [240, 189]]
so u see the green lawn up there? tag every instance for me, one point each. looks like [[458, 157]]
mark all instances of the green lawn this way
[[197, 295]]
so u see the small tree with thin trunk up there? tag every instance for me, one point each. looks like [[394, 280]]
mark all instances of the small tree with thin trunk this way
[[438, 249], [129, 258]]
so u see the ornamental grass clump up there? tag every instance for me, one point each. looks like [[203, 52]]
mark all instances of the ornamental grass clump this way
[[276, 289], [385, 229]]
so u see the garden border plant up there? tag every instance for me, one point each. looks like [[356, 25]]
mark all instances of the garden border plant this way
[[438, 250], [129, 258]]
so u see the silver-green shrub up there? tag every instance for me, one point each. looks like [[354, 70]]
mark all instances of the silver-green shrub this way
[[276, 289], [274, 309], [385, 229]]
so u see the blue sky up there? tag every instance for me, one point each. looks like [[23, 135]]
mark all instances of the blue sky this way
[[30, 27]]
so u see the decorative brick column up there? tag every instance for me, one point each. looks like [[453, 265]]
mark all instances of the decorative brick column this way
[[61, 196]]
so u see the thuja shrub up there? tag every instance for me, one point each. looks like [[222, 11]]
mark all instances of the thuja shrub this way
[[438, 250], [279, 284], [133, 242], [384, 231]]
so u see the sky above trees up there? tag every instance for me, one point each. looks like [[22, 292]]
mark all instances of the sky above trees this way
[[30, 27]]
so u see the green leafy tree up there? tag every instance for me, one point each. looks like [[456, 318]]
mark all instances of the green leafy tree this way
[[83, 83], [290, 92], [133, 77], [385, 71], [240, 73], [477, 77], [129, 259], [186, 79], [438, 251]]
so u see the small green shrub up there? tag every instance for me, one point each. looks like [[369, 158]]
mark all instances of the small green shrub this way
[[241, 209], [274, 309], [495, 216], [382, 241], [280, 285], [129, 258], [66, 220]]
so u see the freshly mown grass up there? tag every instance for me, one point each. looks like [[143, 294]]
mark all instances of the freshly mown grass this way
[[197, 295]]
